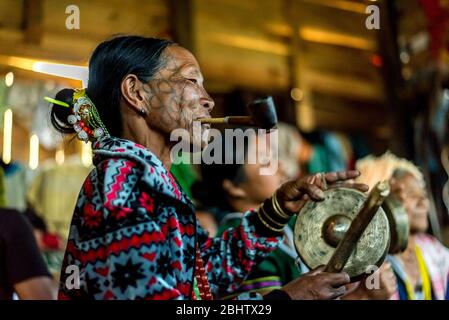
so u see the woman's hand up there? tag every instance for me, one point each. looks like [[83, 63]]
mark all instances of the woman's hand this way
[[292, 195], [317, 285], [387, 286]]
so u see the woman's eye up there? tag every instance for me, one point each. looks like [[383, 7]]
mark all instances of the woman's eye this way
[[194, 81]]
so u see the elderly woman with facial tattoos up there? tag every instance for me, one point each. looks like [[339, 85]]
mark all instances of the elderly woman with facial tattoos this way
[[134, 234]]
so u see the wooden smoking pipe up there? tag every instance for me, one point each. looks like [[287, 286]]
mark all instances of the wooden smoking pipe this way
[[262, 115]]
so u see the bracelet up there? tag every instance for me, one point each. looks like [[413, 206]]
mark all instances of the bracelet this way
[[269, 212], [277, 208], [271, 219], [267, 224]]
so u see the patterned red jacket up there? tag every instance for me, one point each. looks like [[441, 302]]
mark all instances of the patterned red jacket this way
[[134, 230]]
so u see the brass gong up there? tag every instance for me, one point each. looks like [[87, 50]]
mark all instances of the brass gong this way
[[399, 225], [320, 227]]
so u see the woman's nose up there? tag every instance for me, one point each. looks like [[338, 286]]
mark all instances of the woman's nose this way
[[424, 202], [207, 102], [209, 105]]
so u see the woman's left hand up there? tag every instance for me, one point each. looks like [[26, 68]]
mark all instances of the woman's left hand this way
[[292, 195], [381, 289]]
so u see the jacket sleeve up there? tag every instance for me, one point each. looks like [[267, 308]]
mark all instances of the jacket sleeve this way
[[231, 257]]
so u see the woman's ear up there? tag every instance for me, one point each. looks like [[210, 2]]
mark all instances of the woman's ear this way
[[134, 93], [232, 190]]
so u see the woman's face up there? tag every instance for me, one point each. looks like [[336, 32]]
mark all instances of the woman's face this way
[[260, 187], [257, 186], [176, 97], [414, 199]]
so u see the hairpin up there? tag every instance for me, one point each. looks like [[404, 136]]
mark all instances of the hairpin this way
[[58, 102], [84, 118]]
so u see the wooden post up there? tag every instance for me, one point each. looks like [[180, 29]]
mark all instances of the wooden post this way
[[32, 21], [392, 78], [296, 66], [182, 23]]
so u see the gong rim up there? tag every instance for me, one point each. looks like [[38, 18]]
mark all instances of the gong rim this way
[[399, 224], [383, 251]]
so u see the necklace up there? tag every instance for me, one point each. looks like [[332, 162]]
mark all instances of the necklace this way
[[202, 283]]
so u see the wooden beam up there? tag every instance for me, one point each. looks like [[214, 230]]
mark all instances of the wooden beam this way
[[345, 5]]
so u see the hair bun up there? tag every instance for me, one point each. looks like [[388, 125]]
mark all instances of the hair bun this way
[[65, 95], [59, 114]]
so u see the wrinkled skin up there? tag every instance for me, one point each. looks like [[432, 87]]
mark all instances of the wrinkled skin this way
[[413, 197], [317, 285], [176, 95]]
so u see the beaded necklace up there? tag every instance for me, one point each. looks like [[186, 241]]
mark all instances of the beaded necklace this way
[[201, 287]]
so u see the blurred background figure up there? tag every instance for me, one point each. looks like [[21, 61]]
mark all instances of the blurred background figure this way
[[23, 271], [50, 244], [207, 220], [231, 189], [422, 270]]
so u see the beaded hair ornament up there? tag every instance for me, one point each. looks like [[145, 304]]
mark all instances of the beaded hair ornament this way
[[84, 118]]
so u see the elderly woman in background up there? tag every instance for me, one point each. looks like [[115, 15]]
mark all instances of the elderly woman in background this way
[[421, 271]]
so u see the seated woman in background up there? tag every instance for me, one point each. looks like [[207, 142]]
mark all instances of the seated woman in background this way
[[232, 189], [422, 269]]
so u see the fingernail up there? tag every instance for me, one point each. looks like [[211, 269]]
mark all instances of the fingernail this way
[[320, 194]]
